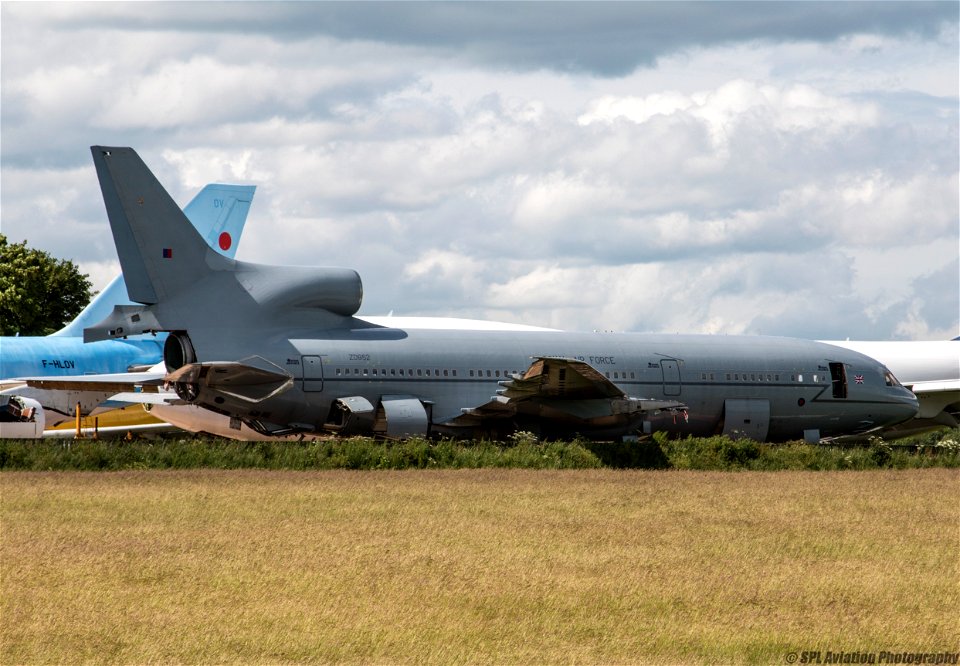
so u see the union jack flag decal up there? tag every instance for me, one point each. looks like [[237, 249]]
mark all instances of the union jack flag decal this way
[[858, 379]]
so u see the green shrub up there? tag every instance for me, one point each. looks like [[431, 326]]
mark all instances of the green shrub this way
[[523, 450]]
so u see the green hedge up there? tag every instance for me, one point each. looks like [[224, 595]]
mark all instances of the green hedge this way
[[352, 453], [938, 449]]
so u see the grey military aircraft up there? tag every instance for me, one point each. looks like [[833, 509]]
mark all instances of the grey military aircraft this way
[[280, 350]]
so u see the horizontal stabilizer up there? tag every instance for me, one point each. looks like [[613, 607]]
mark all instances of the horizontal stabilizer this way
[[239, 379]]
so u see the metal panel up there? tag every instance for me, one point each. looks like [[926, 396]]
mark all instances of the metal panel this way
[[401, 416], [312, 373], [671, 376], [351, 415], [746, 419]]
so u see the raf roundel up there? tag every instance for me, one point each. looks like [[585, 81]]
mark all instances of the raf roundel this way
[[225, 241]]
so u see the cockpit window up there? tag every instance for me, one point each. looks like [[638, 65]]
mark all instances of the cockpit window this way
[[890, 379]]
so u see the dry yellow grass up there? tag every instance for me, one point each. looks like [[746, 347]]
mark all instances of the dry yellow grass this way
[[475, 566]]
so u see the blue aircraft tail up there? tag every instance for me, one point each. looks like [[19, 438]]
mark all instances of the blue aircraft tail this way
[[218, 212]]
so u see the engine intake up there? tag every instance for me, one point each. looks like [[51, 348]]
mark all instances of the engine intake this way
[[178, 351]]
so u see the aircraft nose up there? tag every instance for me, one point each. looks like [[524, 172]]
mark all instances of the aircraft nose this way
[[906, 405]]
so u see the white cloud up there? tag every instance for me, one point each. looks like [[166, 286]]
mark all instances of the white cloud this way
[[789, 186], [736, 103]]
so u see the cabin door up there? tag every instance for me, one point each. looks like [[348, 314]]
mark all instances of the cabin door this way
[[671, 376], [312, 373]]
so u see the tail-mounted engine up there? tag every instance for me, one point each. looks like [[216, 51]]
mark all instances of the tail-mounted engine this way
[[178, 352]]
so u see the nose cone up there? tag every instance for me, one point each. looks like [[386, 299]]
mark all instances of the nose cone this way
[[903, 406]]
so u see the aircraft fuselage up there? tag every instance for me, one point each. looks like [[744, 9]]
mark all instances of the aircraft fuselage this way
[[762, 387]]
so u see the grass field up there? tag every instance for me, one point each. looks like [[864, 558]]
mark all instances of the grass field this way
[[475, 566]]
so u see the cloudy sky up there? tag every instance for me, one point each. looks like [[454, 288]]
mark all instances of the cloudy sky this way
[[776, 168]]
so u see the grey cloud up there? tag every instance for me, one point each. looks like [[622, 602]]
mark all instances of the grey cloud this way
[[602, 38]]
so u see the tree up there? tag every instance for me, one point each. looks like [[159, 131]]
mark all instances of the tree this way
[[38, 293]]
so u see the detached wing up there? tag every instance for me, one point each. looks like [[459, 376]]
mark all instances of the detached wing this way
[[565, 390]]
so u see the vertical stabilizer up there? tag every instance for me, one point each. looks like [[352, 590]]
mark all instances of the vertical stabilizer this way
[[219, 212], [160, 252]]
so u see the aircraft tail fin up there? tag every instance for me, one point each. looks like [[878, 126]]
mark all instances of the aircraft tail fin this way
[[160, 252], [223, 210], [218, 212]]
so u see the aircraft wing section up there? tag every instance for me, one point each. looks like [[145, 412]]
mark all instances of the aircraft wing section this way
[[148, 382], [62, 394], [564, 390], [561, 378], [939, 400], [159, 398], [935, 387]]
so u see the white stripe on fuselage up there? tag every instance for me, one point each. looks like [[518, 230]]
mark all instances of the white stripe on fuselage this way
[[449, 324]]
